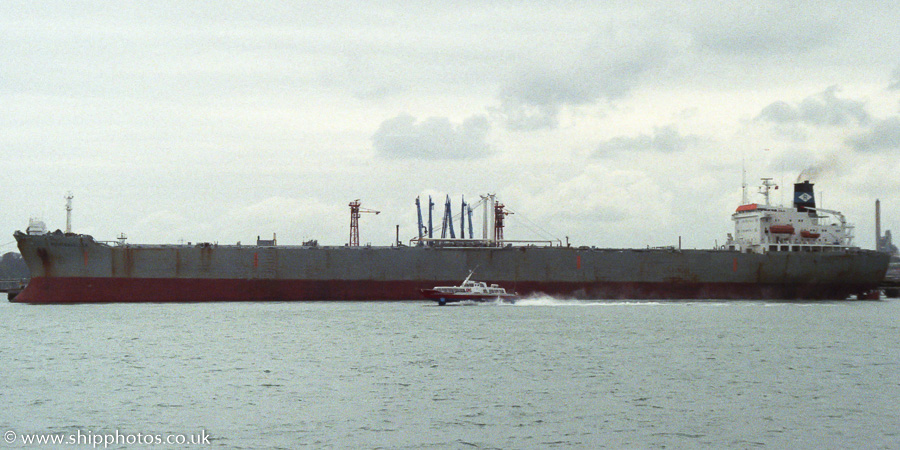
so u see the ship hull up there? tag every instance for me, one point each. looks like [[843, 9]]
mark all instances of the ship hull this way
[[77, 269]]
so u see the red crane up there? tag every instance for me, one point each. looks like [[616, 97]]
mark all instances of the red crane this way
[[355, 210], [499, 214]]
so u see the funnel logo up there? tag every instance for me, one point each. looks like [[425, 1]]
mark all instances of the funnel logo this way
[[805, 197]]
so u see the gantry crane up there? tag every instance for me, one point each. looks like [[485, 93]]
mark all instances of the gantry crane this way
[[355, 210]]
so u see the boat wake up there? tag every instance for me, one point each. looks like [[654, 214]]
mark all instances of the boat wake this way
[[546, 300]]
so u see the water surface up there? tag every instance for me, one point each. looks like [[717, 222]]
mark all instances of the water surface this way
[[542, 373]]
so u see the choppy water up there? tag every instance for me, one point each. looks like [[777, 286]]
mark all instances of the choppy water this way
[[540, 374]]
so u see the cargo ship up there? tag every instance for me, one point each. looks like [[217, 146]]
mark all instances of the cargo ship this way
[[796, 252]]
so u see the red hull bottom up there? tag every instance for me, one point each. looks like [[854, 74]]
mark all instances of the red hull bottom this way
[[105, 290]]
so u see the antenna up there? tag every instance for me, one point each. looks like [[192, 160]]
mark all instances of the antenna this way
[[69, 197], [744, 199]]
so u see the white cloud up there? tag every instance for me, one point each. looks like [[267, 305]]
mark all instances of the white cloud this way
[[884, 136], [895, 79], [664, 139], [611, 66], [764, 28], [433, 138], [822, 109]]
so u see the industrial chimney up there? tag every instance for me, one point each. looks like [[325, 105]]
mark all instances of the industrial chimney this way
[[877, 225]]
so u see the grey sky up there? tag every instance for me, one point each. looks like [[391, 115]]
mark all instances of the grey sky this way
[[613, 123]]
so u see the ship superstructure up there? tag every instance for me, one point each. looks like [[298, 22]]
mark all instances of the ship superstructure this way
[[762, 228]]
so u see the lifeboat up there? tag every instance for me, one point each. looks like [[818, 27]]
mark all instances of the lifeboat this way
[[809, 234], [781, 229]]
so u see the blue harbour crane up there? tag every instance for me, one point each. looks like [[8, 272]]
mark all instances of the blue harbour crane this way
[[421, 226], [448, 221], [462, 219]]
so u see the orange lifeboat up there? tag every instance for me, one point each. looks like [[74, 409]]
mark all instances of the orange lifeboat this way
[[809, 234], [781, 229]]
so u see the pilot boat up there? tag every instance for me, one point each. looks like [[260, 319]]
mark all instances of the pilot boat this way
[[469, 290]]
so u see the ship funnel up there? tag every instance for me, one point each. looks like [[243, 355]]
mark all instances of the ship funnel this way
[[803, 196]]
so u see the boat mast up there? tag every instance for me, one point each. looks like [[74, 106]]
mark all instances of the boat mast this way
[[467, 278], [766, 187]]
